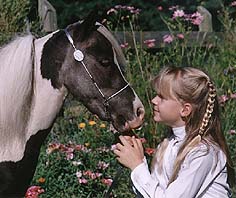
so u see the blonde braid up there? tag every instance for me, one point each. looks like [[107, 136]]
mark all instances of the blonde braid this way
[[209, 109], [202, 131]]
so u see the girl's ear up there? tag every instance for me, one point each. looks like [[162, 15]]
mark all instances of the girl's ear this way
[[186, 110]]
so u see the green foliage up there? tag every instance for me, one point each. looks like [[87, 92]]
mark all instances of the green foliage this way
[[17, 17], [13, 14]]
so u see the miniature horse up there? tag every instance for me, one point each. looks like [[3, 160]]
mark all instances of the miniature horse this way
[[35, 77]]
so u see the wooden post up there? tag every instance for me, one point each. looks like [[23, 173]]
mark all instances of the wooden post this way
[[206, 25], [48, 16]]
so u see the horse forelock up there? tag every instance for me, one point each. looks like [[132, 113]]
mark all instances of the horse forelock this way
[[15, 94], [119, 54]]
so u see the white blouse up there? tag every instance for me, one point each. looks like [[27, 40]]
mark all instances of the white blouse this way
[[202, 174]]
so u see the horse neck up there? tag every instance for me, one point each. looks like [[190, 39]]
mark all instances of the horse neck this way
[[16, 73], [47, 100]]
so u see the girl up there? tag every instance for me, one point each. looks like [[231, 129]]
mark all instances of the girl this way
[[193, 161]]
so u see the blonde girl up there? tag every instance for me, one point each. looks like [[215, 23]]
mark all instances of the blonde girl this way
[[194, 160]]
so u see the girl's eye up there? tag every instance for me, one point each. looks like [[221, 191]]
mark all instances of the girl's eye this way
[[105, 62]]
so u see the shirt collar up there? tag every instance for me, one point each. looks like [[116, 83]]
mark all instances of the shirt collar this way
[[179, 133]]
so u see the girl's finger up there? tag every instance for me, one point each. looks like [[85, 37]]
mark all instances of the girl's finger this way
[[124, 141], [134, 141], [117, 152], [140, 145], [119, 146]]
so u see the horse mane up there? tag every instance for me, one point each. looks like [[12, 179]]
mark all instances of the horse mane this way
[[120, 55], [16, 76]]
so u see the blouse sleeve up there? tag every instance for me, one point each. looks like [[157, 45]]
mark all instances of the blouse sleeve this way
[[191, 176]]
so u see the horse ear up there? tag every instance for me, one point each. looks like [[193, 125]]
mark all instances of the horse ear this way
[[89, 24]]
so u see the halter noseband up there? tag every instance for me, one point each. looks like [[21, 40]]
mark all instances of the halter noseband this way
[[79, 56]]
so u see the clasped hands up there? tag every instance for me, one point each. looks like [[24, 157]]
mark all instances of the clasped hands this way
[[130, 153]]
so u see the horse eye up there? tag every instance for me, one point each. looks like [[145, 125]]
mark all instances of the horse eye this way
[[105, 62]]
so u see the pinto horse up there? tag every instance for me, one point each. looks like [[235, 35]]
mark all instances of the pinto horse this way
[[36, 74]]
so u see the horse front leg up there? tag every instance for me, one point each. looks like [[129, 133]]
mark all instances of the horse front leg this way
[[15, 177]]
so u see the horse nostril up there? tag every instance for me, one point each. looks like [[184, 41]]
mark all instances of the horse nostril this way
[[140, 112]]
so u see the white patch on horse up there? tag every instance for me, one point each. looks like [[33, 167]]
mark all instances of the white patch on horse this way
[[47, 101], [25, 106], [15, 80]]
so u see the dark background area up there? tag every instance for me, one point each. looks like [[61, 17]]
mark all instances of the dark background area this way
[[69, 11]]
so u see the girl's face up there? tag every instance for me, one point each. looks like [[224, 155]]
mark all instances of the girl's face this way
[[167, 111]]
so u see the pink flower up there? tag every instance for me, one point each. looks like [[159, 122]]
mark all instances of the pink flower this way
[[233, 95], [98, 174], [233, 3], [87, 172], [160, 8], [33, 192], [102, 165], [232, 132], [174, 7], [180, 36], [150, 151], [124, 45], [69, 155], [196, 18], [107, 182], [113, 147], [168, 38], [150, 43], [223, 99], [112, 10], [143, 140], [78, 174], [83, 181], [131, 9], [118, 6], [178, 13]]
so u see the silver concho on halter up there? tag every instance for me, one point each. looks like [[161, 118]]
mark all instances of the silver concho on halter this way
[[78, 54]]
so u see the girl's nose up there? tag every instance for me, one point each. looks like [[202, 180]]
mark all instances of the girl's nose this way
[[154, 100]]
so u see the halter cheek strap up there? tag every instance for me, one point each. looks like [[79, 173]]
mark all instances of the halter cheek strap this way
[[79, 56]]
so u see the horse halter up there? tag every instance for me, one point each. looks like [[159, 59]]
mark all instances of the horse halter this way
[[79, 56]]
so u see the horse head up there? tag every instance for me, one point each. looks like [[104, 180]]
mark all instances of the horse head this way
[[95, 76]]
